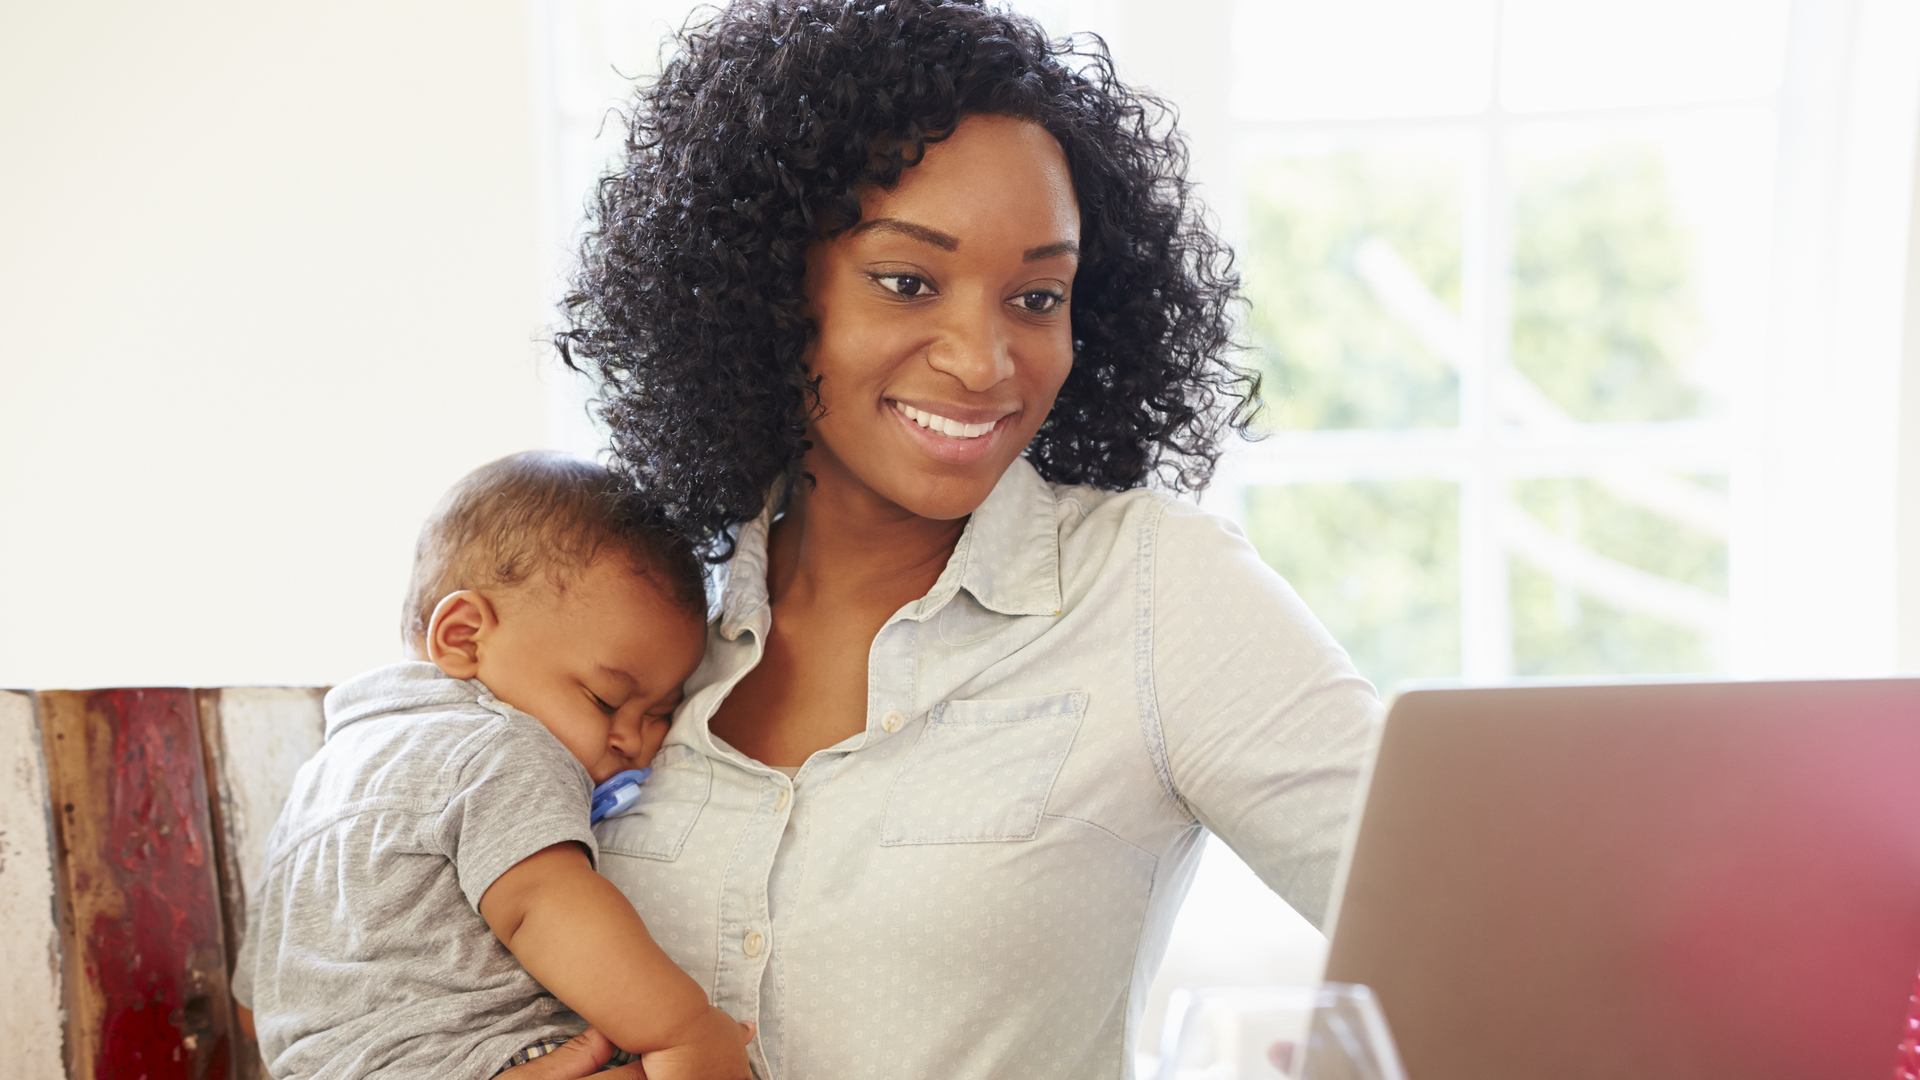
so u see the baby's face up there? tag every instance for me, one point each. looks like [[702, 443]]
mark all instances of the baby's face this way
[[600, 663]]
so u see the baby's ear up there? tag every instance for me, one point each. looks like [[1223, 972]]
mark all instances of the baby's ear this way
[[461, 620]]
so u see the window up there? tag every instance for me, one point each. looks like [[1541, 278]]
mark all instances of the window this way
[[1503, 274]]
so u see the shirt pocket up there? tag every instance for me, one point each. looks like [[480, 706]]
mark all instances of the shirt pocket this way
[[670, 803], [981, 771]]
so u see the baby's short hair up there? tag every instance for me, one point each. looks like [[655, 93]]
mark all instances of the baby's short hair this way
[[533, 512]]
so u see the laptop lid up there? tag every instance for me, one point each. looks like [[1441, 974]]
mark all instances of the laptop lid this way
[[1641, 881]]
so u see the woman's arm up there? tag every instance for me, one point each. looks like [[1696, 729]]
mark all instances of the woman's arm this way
[[1266, 723], [574, 932]]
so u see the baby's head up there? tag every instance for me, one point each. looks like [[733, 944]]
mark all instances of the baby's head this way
[[533, 576]]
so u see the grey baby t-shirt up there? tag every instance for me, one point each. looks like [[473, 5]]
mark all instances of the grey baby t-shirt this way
[[365, 952]]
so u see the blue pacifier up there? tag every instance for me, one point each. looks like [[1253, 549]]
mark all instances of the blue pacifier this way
[[619, 792]]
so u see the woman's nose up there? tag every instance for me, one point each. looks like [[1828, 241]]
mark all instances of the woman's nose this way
[[972, 347]]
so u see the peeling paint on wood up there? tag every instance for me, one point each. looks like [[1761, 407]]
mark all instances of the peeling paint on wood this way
[[145, 954], [30, 1026], [256, 738]]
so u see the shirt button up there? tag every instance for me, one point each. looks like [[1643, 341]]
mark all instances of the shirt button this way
[[892, 720], [781, 802], [753, 943]]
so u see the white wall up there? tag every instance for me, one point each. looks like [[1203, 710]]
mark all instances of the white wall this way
[[268, 284]]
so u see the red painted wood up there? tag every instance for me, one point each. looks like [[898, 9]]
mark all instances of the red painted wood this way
[[145, 950]]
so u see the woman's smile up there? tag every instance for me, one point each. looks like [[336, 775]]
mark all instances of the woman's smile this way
[[945, 425], [945, 436]]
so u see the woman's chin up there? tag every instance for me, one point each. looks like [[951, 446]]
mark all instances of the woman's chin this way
[[940, 494], [944, 498]]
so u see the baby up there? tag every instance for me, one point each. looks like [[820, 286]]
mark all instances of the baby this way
[[429, 905]]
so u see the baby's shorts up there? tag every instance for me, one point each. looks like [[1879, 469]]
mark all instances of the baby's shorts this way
[[548, 1046]]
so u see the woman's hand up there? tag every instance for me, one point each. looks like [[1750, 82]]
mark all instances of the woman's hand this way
[[581, 1057]]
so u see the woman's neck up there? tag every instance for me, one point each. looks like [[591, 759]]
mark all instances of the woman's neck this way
[[844, 544]]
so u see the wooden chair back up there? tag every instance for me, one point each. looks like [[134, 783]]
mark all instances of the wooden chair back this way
[[133, 823]]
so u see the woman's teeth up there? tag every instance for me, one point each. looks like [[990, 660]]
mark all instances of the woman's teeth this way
[[936, 422]]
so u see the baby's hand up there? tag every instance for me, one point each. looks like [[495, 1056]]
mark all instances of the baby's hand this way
[[580, 1058], [712, 1048]]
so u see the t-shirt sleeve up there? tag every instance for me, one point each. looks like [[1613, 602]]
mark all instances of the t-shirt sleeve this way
[[519, 792], [1267, 724]]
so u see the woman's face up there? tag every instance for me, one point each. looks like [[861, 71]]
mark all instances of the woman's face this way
[[942, 326]]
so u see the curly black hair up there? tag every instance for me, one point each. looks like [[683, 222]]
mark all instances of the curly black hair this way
[[757, 140]]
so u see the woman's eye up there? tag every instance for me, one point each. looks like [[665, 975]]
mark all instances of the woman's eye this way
[[908, 285], [1039, 302]]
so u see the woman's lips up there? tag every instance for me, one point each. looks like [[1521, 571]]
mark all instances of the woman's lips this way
[[945, 438]]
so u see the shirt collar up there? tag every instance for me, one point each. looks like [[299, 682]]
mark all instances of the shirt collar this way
[[744, 592], [410, 684], [1008, 557]]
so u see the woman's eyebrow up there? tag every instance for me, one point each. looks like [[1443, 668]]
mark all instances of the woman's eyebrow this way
[[907, 228], [1048, 251], [947, 242]]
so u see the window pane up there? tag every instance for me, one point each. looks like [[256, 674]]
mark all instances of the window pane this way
[[1377, 562], [1353, 270], [1605, 301], [1602, 585], [1577, 54], [1321, 59]]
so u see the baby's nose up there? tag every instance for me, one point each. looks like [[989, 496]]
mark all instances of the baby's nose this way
[[624, 738]]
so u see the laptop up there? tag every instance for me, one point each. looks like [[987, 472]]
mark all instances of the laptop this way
[[1641, 882]]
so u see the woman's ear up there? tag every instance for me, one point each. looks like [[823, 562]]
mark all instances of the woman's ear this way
[[461, 622]]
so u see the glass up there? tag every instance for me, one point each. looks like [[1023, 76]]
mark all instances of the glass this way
[[1330, 1032], [1353, 277], [1605, 302], [1603, 584], [1377, 561], [1638, 266]]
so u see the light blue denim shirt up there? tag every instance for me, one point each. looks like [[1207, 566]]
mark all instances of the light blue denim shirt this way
[[982, 882]]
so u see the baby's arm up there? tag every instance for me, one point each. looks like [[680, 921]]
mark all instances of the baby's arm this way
[[575, 933]]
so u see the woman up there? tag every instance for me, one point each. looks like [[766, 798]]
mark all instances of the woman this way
[[899, 306]]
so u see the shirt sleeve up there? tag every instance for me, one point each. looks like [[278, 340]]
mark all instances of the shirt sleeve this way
[[519, 792], [1267, 725]]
